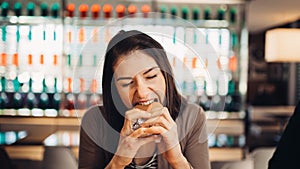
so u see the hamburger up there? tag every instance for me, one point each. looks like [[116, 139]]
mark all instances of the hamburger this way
[[155, 106]]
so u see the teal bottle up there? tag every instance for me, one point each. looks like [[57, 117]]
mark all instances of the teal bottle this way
[[233, 14], [4, 9], [18, 9], [18, 100], [30, 9], [3, 96], [56, 100], [195, 14], [207, 13], [163, 11], [173, 12], [55, 10], [185, 13], [44, 9], [44, 98], [31, 100], [221, 14]]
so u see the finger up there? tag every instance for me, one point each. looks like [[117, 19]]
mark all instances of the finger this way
[[131, 117], [157, 121], [167, 115], [138, 133], [151, 138], [144, 132], [170, 138], [154, 130], [157, 112]]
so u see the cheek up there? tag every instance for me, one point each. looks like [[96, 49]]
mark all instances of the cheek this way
[[163, 83], [161, 86], [125, 96]]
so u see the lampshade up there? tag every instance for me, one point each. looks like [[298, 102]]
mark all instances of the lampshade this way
[[283, 45]]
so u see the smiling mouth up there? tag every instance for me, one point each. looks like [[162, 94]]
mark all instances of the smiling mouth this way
[[147, 102]]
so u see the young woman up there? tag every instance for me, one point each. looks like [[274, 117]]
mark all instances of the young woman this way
[[137, 72]]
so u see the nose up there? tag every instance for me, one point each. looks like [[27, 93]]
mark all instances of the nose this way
[[142, 89]]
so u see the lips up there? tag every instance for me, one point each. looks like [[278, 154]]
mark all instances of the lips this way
[[146, 103], [155, 106]]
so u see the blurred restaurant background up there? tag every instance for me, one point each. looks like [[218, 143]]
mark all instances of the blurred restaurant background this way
[[243, 57]]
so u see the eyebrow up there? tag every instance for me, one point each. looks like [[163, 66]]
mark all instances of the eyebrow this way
[[129, 78]]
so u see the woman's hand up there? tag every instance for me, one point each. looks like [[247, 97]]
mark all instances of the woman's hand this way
[[159, 127], [162, 124], [131, 140]]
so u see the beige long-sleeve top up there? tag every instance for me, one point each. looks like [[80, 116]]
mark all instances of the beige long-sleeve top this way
[[98, 140]]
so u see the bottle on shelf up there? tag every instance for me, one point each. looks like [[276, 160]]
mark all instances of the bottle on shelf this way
[[55, 10], [4, 100], [221, 14], [69, 29], [18, 9], [195, 14], [228, 100], [185, 13], [18, 100], [70, 10], [163, 10], [4, 9], [83, 11], [107, 10], [145, 10], [120, 9], [222, 140], [205, 100], [56, 99], [95, 11], [173, 12], [232, 15], [94, 97], [69, 100], [222, 82], [3, 63], [226, 140], [132, 9], [82, 97], [44, 98], [30, 9], [207, 13], [44, 9], [31, 100]]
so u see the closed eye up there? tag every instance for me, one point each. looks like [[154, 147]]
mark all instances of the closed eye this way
[[151, 77], [127, 84]]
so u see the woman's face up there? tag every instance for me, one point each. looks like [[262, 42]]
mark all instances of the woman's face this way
[[139, 80]]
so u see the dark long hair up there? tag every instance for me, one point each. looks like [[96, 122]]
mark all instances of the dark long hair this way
[[122, 44]]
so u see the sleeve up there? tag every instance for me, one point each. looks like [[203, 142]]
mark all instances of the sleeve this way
[[90, 154], [94, 135], [196, 148], [288, 149]]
